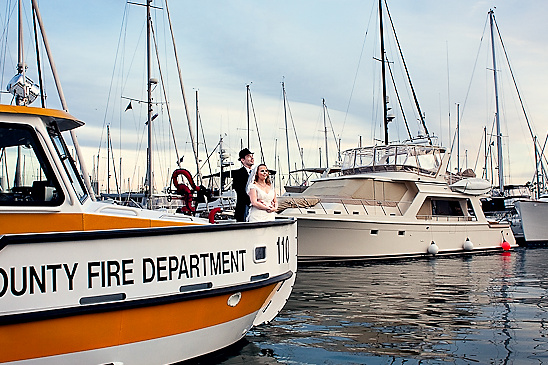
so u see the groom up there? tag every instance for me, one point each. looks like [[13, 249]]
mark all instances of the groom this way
[[239, 182]]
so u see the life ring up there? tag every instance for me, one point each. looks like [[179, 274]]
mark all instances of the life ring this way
[[211, 215]]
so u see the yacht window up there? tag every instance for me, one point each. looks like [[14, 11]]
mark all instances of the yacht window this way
[[447, 207], [471, 211], [26, 177], [68, 163]]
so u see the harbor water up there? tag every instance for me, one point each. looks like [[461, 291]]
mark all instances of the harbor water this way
[[484, 309]]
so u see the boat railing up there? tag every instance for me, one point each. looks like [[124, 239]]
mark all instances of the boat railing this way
[[348, 205], [391, 168], [419, 159], [446, 218]]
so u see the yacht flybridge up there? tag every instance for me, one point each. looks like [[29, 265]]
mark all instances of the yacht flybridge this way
[[86, 282], [393, 201]]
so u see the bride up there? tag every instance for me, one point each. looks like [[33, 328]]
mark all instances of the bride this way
[[262, 195]]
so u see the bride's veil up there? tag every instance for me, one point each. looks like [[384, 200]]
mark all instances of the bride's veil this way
[[251, 178]]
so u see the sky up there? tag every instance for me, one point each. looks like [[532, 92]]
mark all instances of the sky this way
[[323, 49]]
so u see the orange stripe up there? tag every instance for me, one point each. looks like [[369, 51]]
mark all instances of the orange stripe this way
[[12, 223], [94, 331]]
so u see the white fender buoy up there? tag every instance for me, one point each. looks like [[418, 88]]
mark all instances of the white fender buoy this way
[[433, 249], [468, 245]]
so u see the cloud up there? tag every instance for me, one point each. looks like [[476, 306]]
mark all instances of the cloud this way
[[315, 48]]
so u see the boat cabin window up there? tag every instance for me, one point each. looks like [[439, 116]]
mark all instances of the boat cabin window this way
[[68, 162], [447, 207], [26, 177]]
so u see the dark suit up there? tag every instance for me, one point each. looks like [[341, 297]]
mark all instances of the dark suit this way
[[239, 182]]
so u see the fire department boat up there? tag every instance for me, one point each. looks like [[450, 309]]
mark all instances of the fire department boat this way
[[85, 282], [94, 283]]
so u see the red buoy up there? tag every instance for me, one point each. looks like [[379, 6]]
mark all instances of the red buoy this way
[[505, 245]]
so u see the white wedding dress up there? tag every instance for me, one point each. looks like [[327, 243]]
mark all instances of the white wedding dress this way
[[260, 215]]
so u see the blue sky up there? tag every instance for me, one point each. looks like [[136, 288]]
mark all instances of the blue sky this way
[[315, 48]]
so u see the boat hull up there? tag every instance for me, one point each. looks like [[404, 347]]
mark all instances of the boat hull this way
[[335, 239], [533, 215], [140, 296]]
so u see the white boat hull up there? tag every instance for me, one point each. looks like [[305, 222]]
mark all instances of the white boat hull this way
[[533, 215], [140, 296], [335, 239], [85, 282]]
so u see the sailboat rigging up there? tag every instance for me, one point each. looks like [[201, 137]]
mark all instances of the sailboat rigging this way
[[387, 116], [151, 195], [251, 111], [512, 202]]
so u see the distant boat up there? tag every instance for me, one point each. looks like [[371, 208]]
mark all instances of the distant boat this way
[[86, 282], [533, 215], [393, 201]]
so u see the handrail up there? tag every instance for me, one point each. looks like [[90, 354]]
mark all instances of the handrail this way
[[295, 202], [446, 218], [378, 157]]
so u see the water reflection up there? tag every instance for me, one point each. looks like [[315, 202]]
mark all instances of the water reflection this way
[[481, 308]]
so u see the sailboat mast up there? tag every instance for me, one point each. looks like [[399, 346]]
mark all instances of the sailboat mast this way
[[536, 166], [221, 160], [21, 56], [286, 135], [383, 65], [195, 150], [20, 100], [197, 134], [325, 135], [79, 154], [458, 137], [108, 159], [497, 118], [149, 113], [247, 103]]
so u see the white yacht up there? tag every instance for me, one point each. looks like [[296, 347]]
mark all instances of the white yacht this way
[[393, 201]]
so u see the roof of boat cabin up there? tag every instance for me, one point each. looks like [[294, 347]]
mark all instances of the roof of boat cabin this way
[[64, 120]]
